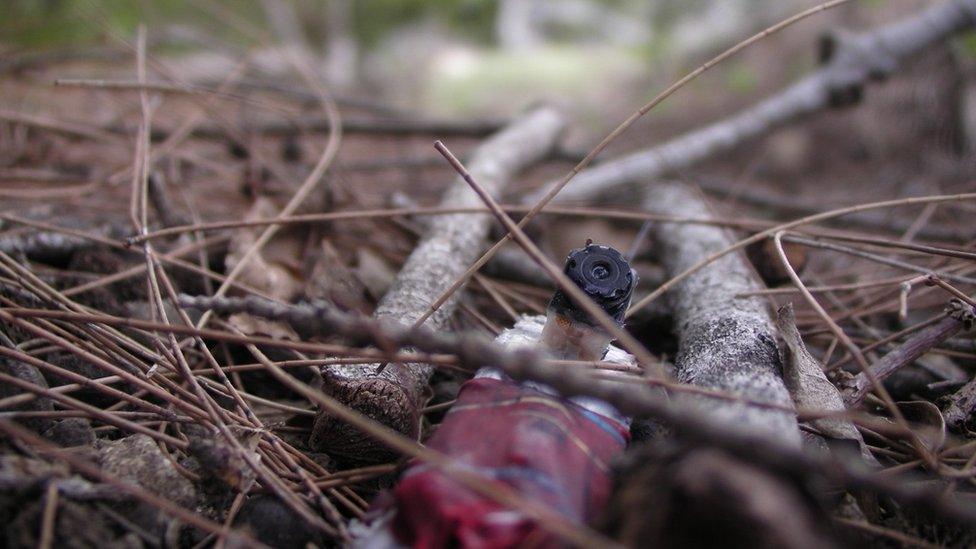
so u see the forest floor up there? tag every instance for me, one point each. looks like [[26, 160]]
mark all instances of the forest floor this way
[[83, 169]]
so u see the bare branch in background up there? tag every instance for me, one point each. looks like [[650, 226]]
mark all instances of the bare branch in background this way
[[959, 315], [851, 62]]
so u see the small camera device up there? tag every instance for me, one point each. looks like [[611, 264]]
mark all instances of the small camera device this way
[[605, 276]]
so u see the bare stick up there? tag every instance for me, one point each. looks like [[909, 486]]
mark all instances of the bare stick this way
[[404, 127], [789, 225], [909, 351], [724, 343], [395, 396], [853, 61]]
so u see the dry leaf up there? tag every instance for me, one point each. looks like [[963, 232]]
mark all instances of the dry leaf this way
[[929, 423], [274, 269], [809, 386], [374, 272], [251, 325], [333, 281]]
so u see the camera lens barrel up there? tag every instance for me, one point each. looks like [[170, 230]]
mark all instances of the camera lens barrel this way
[[605, 276]]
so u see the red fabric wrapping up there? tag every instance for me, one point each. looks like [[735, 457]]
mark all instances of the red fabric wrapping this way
[[550, 450]]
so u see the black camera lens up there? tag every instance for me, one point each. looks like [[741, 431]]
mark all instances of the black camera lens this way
[[604, 274]]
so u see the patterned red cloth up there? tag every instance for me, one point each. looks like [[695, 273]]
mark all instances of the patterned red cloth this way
[[550, 450]]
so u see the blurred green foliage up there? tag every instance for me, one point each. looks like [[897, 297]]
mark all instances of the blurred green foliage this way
[[472, 18], [50, 24], [60, 23], [30, 24], [967, 44], [742, 78]]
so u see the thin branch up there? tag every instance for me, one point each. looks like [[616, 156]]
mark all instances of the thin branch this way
[[904, 355], [854, 61], [724, 343], [395, 395]]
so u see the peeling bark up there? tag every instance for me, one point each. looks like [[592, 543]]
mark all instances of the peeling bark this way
[[452, 242], [725, 343], [908, 352], [851, 61]]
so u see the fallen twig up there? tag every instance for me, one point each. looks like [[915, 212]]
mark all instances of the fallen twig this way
[[395, 395], [724, 342], [959, 314]]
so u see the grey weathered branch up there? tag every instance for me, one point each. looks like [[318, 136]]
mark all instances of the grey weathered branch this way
[[724, 343], [451, 243], [809, 386], [851, 61], [510, 262]]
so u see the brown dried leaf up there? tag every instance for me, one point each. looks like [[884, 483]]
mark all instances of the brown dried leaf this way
[[333, 281], [274, 270], [374, 272], [928, 422], [256, 326], [809, 386]]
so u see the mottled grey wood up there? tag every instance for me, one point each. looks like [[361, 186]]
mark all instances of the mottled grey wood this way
[[451, 243], [725, 343], [853, 61]]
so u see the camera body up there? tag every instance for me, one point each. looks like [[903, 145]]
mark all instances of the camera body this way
[[607, 278]]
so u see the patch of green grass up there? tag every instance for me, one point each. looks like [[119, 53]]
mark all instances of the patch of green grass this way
[[967, 44], [482, 78], [50, 24], [742, 78]]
